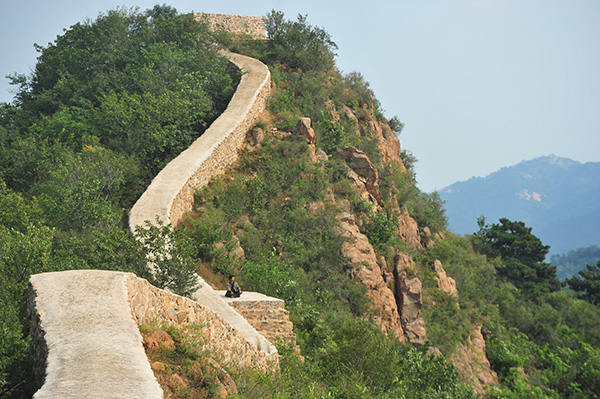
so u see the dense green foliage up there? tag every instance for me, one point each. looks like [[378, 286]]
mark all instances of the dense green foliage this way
[[112, 100], [109, 103], [567, 265], [522, 254], [587, 283]]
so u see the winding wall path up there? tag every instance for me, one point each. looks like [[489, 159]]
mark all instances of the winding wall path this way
[[83, 327], [171, 194]]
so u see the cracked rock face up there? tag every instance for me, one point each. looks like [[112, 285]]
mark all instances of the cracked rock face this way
[[409, 297], [408, 229], [380, 295], [444, 282], [360, 163], [472, 363]]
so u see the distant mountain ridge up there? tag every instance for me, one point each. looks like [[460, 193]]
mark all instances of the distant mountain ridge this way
[[558, 197]]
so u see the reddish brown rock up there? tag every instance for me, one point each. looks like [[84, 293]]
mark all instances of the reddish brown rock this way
[[381, 298], [360, 163], [444, 282], [360, 184], [225, 384], [157, 339], [176, 383], [388, 143], [303, 128], [472, 364], [158, 366], [409, 296], [408, 229]]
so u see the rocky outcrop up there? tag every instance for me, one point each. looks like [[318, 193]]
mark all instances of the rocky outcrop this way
[[157, 339], [472, 364], [388, 143], [360, 163], [409, 297], [444, 282], [303, 128], [408, 229], [256, 136], [362, 256]]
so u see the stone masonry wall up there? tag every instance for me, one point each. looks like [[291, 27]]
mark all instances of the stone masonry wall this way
[[241, 25], [269, 316], [150, 304]]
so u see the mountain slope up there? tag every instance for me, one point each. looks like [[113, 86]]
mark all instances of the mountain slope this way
[[557, 197]]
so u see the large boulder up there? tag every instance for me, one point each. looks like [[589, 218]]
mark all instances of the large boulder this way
[[408, 229], [303, 128], [157, 339], [388, 143], [444, 282]]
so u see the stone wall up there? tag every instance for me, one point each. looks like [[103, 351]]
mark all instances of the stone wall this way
[[267, 315], [171, 194], [153, 305], [241, 25], [86, 341]]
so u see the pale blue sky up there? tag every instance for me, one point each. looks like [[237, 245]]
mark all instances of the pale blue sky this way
[[480, 84]]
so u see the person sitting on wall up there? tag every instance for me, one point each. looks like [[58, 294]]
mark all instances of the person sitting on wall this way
[[233, 288]]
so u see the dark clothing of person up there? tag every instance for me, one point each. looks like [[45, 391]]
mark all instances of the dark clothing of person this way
[[233, 290]]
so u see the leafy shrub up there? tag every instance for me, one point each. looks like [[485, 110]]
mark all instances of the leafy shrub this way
[[380, 227], [272, 276], [169, 253]]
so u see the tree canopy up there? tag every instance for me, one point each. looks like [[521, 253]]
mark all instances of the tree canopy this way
[[522, 253], [587, 284], [108, 104]]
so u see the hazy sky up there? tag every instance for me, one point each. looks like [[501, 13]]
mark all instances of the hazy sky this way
[[479, 84]]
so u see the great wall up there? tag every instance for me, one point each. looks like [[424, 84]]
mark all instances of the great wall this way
[[85, 336]]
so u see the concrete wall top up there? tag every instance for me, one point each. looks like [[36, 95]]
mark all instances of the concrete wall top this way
[[91, 338]]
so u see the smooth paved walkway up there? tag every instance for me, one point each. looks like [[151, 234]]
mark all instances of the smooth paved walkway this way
[[94, 346]]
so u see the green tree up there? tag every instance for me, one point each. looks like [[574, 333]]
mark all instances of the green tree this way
[[588, 285], [522, 254], [170, 255], [297, 43]]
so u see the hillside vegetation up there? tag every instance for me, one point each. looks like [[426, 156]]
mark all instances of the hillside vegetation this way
[[334, 225]]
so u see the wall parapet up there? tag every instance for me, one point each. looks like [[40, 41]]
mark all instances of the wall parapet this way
[[266, 314], [85, 337], [236, 24], [150, 304]]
